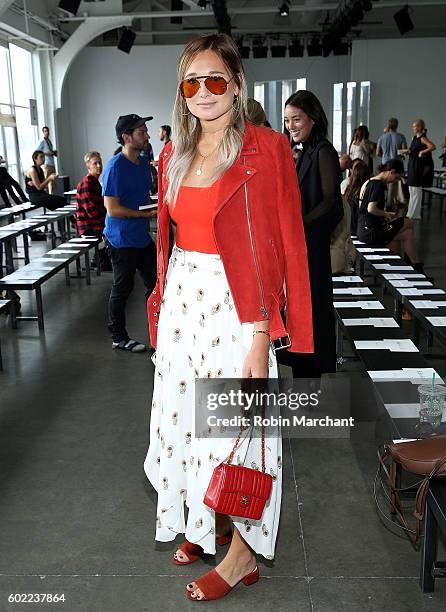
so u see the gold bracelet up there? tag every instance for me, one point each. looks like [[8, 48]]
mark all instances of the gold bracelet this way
[[260, 331]]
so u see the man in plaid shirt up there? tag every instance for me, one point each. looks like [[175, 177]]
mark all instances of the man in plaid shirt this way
[[90, 209]]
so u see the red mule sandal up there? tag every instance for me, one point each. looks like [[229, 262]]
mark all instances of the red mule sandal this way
[[213, 586]]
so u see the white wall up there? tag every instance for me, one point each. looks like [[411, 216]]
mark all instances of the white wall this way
[[102, 84], [406, 75], [408, 81]]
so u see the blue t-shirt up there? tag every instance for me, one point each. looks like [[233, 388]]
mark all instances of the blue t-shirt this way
[[390, 144], [130, 183]]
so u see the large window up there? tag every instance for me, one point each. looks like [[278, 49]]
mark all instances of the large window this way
[[338, 89], [364, 103], [278, 93], [349, 111], [18, 137]]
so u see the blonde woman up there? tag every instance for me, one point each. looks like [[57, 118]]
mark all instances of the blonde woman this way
[[420, 168], [216, 308]]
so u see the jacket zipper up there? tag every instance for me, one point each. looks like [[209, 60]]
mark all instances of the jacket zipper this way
[[263, 308]]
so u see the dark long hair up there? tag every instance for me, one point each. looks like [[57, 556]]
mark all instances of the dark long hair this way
[[359, 175], [309, 103]]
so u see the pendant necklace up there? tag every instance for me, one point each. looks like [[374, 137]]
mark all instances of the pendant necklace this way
[[199, 172]]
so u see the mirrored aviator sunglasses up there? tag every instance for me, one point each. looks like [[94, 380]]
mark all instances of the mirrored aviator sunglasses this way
[[216, 85]]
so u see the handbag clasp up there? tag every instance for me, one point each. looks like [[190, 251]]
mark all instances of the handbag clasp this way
[[244, 500]]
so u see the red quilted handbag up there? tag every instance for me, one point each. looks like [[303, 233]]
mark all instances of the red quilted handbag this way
[[238, 490]]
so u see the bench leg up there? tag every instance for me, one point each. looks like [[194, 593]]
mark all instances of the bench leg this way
[[87, 267], [39, 305], [67, 275], [26, 248], [398, 311], [429, 551], [98, 260], [1, 360]]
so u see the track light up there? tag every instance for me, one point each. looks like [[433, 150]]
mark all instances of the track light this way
[[296, 49], [314, 47], [259, 49], [278, 49], [126, 41], [202, 4], [243, 49], [284, 10], [403, 20]]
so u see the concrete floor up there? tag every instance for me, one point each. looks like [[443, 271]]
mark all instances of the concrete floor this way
[[77, 514]]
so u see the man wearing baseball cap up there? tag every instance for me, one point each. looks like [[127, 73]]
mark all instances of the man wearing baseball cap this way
[[126, 184]]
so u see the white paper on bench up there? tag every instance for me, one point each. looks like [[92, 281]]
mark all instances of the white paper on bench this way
[[375, 321], [347, 279], [395, 346], [413, 374], [359, 304], [420, 291], [403, 411], [352, 291], [437, 321], [373, 250], [372, 257], [55, 259], [402, 276], [409, 283], [427, 304], [58, 251], [79, 240], [25, 274], [390, 267]]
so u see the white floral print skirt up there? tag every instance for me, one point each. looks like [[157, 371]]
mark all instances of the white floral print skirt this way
[[200, 336]]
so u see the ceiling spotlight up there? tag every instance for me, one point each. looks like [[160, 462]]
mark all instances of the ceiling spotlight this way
[[296, 49], [243, 49], [278, 49], [259, 49], [202, 4], [314, 47], [284, 10]]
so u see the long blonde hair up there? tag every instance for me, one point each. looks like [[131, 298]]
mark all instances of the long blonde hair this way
[[186, 128]]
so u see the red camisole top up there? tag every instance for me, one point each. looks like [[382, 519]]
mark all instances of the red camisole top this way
[[193, 213]]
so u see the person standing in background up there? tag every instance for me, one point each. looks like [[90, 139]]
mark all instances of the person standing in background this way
[[90, 209], [420, 169], [319, 177], [128, 241], [361, 147], [7, 183], [49, 167], [391, 143], [389, 146], [164, 133]]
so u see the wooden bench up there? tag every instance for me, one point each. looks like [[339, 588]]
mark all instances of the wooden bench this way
[[431, 192], [32, 276]]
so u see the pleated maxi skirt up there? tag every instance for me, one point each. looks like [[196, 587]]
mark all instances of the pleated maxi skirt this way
[[200, 336]]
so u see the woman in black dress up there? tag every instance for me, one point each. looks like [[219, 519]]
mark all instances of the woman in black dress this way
[[376, 226], [36, 184], [319, 179], [420, 169]]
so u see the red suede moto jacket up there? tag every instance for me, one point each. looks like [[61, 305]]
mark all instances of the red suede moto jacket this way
[[259, 234]]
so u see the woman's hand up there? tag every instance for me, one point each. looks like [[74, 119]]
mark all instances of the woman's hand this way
[[256, 361], [389, 216]]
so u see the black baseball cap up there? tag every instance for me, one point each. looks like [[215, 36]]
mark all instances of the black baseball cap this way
[[126, 123]]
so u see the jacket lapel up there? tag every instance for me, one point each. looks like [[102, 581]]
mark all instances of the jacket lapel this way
[[240, 172], [306, 165]]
